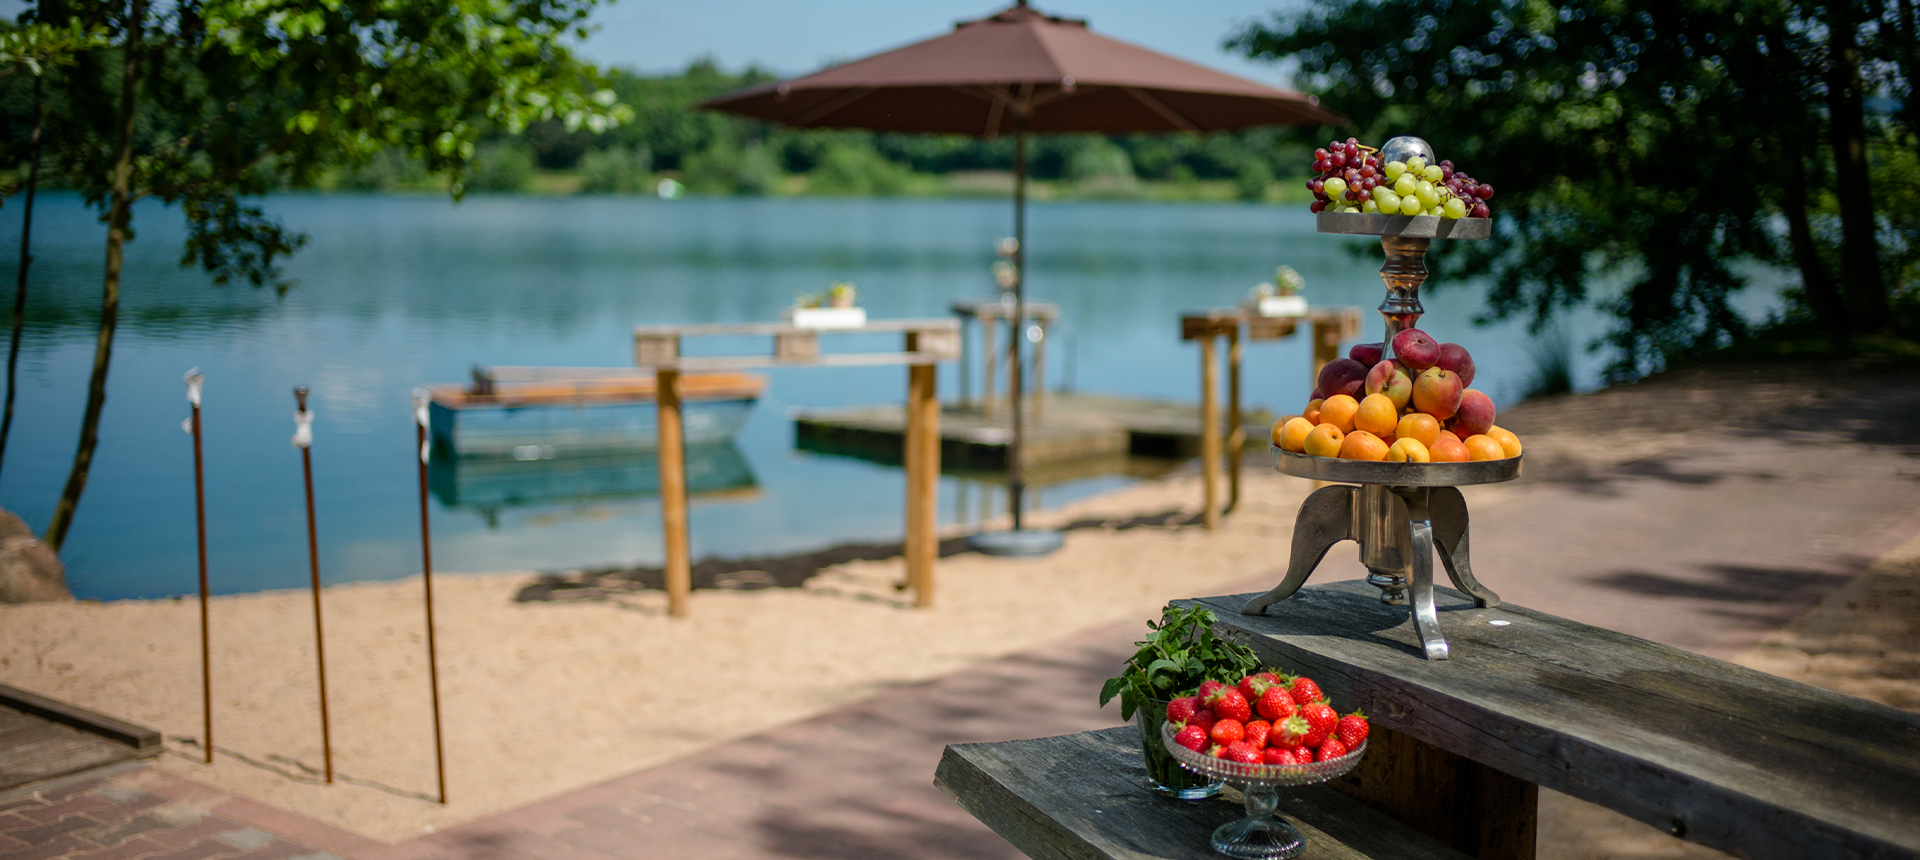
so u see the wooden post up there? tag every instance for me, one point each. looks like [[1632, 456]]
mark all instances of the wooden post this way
[[194, 380], [989, 324], [420, 422], [1467, 805], [1040, 370], [673, 490], [923, 480], [1236, 423], [303, 438], [1326, 347], [1209, 433]]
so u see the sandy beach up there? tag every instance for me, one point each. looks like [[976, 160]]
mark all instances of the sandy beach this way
[[542, 695]]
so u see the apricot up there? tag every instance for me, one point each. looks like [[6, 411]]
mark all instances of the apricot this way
[[1408, 450], [1484, 447], [1508, 442], [1376, 415], [1292, 436], [1324, 441], [1420, 426], [1339, 410], [1448, 448], [1361, 445]]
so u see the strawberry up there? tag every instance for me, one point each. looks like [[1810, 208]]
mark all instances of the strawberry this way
[[1207, 688], [1181, 709], [1229, 704], [1322, 719], [1242, 752], [1305, 691], [1217, 751], [1252, 686], [1290, 732], [1276, 703], [1330, 748], [1352, 729], [1202, 717], [1279, 755], [1192, 737], [1228, 731], [1257, 732]]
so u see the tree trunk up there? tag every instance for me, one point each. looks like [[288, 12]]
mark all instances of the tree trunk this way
[[26, 259], [1822, 296], [119, 209], [1867, 308]]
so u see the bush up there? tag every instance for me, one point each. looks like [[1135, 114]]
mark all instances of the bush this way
[[616, 170], [857, 169], [1100, 167], [390, 170], [1253, 180], [501, 166]]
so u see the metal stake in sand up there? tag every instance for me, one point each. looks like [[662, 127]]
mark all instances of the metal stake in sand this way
[[303, 439], [194, 378], [420, 418]]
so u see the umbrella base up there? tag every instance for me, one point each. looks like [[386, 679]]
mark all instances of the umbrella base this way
[[1025, 542]]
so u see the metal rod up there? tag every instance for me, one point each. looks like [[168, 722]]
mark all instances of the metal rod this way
[[200, 523], [304, 440], [1016, 483], [426, 567]]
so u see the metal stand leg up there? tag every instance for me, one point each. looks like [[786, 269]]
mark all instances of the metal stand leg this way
[[1419, 573], [1450, 537], [1325, 519]]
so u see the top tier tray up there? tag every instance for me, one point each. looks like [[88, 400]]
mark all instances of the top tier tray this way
[[1395, 474], [1407, 226]]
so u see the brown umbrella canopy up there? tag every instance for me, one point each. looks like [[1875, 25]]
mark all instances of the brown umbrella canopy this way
[[986, 75]]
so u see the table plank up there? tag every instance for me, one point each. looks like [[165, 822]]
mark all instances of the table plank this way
[[1712, 752], [1084, 797]]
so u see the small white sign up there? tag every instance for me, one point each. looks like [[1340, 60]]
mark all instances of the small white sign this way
[[1282, 306], [827, 317]]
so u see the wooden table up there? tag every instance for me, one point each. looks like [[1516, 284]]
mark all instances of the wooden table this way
[[1331, 326], [1084, 797], [927, 343], [991, 314]]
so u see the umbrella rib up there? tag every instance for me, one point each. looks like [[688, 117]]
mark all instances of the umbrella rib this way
[[829, 106], [1166, 113]]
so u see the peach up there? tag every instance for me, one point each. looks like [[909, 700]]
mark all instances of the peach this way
[[1508, 442], [1361, 445], [1475, 414], [1484, 447], [1455, 357], [1414, 349], [1387, 379], [1408, 451], [1343, 376], [1376, 415], [1339, 411], [1420, 426], [1437, 392], [1292, 436], [1324, 441], [1449, 449], [1367, 353]]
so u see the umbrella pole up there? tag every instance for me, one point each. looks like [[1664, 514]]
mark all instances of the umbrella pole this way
[[1016, 486]]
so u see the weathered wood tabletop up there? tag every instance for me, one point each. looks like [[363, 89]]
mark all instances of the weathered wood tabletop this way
[[1084, 797], [1721, 755]]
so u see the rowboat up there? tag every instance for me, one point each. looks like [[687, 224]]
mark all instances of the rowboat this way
[[490, 484], [540, 413]]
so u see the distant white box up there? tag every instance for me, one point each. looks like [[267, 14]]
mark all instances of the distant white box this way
[[827, 317], [1282, 306]]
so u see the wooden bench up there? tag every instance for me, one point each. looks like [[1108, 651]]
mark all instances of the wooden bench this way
[[1720, 755]]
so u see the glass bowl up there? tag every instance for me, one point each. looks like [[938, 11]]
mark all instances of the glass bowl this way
[[1262, 835]]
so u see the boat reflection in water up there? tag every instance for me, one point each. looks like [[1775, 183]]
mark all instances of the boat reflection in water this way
[[528, 412], [550, 476]]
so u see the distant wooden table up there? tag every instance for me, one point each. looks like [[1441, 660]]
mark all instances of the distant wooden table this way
[[991, 314], [928, 342], [1331, 326]]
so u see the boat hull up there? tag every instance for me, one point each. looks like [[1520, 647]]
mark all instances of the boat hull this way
[[535, 432], [716, 469]]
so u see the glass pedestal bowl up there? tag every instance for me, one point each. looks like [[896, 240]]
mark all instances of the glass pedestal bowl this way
[[1262, 835]]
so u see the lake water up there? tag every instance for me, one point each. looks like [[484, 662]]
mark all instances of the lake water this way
[[395, 292]]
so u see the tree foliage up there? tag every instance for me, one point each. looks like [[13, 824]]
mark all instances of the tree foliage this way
[[1642, 148]]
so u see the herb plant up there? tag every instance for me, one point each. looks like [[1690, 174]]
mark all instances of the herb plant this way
[[1181, 652]]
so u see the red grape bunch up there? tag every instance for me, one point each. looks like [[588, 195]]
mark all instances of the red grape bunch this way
[[1350, 177]]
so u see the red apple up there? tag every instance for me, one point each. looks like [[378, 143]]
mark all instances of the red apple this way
[[1474, 416], [1437, 392], [1344, 376], [1367, 353], [1414, 349], [1387, 379], [1454, 357]]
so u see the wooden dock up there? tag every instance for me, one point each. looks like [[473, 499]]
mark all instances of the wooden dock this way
[[1071, 428]]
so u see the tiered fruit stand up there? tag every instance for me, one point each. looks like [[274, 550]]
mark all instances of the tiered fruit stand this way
[[1399, 513]]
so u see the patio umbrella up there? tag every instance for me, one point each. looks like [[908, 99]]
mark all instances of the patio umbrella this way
[[1019, 72]]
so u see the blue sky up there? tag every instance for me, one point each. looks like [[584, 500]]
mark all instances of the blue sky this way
[[790, 38]]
